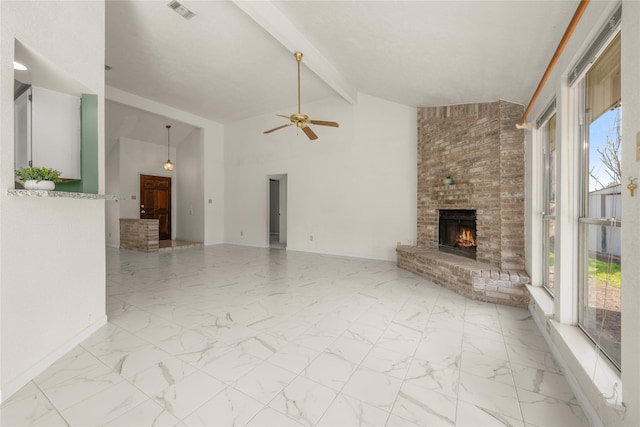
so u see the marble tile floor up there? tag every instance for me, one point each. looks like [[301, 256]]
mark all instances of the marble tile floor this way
[[236, 336]]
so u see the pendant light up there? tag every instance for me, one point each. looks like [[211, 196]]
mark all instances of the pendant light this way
[[168, 165]]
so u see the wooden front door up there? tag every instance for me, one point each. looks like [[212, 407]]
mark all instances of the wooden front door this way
[[155, 202]]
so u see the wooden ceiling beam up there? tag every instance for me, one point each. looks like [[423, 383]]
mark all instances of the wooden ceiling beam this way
[[272, 20]]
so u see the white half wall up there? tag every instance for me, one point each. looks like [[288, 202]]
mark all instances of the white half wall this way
[[52, 294], [351, 192], [52, 251]]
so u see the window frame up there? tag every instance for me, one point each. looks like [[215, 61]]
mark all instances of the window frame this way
[[583, 219], [542, 124]]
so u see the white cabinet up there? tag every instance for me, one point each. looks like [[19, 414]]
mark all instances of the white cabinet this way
[[47, 131]]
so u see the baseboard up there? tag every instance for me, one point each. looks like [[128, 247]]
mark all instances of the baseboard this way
[[16, 384], [341, 254]]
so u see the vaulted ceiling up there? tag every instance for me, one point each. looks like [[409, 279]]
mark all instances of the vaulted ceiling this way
[[234, 60]]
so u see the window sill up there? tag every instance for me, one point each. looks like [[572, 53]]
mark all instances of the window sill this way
[[60, 194], [596, 369], [594, 380], [541, 300]]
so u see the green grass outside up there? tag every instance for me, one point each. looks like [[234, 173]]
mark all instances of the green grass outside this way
[[603, 272]]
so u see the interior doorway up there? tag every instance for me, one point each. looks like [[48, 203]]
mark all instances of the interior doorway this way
[[277, 211], [155, 202]]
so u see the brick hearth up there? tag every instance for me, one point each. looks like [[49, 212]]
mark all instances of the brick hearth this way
[[465, 276], [480, 147]]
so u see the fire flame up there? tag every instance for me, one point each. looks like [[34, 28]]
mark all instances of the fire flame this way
[[466, 239]]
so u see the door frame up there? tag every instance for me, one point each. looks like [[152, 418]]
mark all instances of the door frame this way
[[282, 180], [171, 201]]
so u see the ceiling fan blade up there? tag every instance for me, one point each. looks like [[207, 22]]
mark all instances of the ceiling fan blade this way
[[282, 115], [323, 123], [307, 130], [278, 128]]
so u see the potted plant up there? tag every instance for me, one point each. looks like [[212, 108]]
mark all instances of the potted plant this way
[[38, 178], [448, 180]]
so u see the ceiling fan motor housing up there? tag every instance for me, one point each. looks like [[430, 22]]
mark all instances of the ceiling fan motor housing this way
[[299, 119]]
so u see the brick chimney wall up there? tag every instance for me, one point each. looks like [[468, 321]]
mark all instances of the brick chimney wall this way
[[480, 147]]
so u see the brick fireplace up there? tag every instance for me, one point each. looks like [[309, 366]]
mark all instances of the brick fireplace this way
[[479, 146]]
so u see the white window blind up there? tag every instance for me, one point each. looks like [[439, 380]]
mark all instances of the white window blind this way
[[585, 61], [603, 82]]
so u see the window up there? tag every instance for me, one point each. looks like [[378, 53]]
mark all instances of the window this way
[[548, 133], [599, 222]]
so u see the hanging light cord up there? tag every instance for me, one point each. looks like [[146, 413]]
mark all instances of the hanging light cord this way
[[168, 155]]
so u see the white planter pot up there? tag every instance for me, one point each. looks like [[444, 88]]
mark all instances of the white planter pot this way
[[32, 184]]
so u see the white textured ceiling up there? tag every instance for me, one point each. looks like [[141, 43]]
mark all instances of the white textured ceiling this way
[[130, 122], [224, 66]]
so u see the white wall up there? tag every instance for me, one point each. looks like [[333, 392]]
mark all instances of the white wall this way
[[630, 209], [564, 338], [353, 189], [52, 251], [190, 188], [112, 186], [212, 159]]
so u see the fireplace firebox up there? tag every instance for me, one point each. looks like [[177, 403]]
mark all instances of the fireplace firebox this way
[[457, 232]]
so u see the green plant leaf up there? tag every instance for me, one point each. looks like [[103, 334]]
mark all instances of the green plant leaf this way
[[38, 174]]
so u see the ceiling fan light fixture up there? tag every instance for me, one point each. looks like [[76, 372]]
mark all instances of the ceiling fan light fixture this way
[[298, 119], [168, 165]]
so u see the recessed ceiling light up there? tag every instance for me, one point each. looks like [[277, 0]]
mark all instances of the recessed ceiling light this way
[[18, 66]]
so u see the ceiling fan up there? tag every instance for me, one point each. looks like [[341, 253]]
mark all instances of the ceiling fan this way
[[302, 120]]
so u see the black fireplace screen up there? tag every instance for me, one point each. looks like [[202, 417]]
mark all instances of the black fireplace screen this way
[[457, 232]]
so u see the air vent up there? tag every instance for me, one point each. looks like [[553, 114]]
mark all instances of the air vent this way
[[181, 10]]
